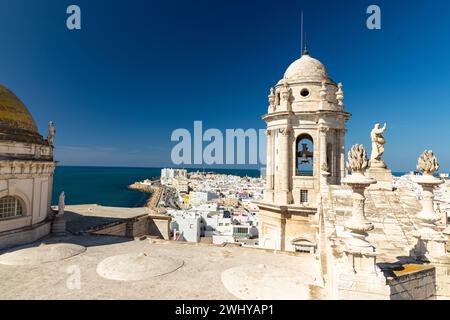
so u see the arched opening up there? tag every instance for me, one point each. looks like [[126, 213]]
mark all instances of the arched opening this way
[[329, 154], [10, 207], [305, 156]]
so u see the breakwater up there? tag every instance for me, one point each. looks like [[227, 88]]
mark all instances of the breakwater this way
[[155, 192]]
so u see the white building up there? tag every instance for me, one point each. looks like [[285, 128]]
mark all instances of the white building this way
[[201, 197], [26, 174], [181, 184], [186, 226], [168, 175]]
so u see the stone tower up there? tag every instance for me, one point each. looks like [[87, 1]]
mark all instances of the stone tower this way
[[306, 125]]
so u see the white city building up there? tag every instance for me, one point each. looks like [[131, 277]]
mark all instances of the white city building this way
[[201, 197], [168, 175]]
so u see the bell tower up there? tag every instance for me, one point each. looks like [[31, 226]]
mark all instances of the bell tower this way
[[306, 125]]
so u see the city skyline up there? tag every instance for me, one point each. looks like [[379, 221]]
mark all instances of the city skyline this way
[[119, 87]]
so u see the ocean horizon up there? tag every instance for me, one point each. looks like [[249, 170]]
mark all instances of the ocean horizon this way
[[108, 186]]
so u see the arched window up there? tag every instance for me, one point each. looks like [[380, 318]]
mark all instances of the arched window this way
[[305, 155], [10, 207]]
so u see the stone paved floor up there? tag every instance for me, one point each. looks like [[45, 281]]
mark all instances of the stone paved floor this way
[[84, 217], [199, 278]]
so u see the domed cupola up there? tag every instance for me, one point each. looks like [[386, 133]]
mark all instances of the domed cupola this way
[[16, 122], [306, 69]]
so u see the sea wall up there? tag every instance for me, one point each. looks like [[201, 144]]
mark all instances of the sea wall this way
[[154, 191]]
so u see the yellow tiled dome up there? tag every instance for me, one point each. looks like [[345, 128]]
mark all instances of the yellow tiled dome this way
[[16, 122]]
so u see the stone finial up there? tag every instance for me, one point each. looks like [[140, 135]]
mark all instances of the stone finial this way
[[427, 163], [323, 91], [340, 95], [357, 158]]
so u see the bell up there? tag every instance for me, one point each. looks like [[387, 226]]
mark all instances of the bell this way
[[304, 158]]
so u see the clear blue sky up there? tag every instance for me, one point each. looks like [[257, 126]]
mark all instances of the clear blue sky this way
[[140, 69]]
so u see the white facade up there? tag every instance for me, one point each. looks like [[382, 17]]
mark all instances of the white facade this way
[[181, 184], [197, 198], [168, 175], [187, 226]]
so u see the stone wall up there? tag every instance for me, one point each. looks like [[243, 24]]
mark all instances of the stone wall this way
[[24, 235], [137, 227], [159, 226], [442, 266], [118, 229], [153, 225], [417, 285]]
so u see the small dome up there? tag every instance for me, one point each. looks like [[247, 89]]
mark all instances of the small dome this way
[[306, 69], [16, 122]]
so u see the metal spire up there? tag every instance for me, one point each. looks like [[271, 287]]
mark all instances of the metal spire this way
[[303, 35]]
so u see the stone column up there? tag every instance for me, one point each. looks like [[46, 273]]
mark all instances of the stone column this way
[[269, 167], [324, 170], [283, 194], [342, 154], [276, 160]]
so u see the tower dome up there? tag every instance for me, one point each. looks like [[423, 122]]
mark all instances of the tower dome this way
[[16, 122], [306, 68]]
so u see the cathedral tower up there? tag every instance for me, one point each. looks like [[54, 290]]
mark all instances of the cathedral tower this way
[[306, 124]]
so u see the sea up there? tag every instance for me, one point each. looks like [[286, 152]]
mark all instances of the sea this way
[[108, 186]]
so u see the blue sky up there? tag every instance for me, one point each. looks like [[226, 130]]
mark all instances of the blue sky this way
[[140, 69]]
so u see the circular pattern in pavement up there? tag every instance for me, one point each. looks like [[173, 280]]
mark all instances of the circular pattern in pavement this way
[[41, 254], [137, 266], [265, 282]]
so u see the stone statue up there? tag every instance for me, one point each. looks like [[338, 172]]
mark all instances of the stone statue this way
[[272, 100], [377, 145], [340, 95], [427, 163], [51, 133], [61, 203]]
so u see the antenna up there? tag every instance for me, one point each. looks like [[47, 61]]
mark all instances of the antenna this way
[[303, 37], [301, 30]]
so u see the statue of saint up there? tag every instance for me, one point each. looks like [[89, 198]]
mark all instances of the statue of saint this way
[[377, 144], [51, 133], [61, 203]]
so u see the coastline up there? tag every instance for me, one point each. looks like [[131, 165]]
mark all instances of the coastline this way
[[154, 192]]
